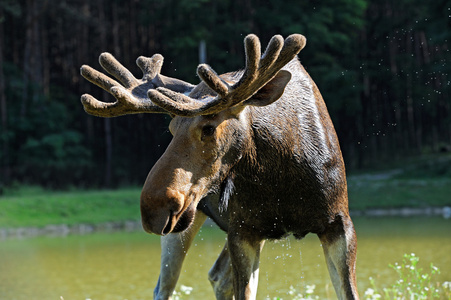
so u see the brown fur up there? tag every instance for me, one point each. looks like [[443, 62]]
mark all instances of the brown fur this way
[[261, 138]]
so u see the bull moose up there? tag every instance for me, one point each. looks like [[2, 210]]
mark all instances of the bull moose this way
[[254, 149]]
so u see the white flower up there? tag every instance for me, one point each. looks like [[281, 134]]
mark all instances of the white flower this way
[[310, 289], [186, 289], [369, 292]]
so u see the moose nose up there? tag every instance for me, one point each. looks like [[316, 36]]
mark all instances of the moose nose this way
[[159, 214], [158, 222]]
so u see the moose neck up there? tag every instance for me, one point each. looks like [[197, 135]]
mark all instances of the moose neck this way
[[293, 139]]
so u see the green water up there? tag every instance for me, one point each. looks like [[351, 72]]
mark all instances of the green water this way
[[126, 265]]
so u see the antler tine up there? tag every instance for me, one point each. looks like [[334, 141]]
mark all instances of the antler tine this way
[[99, 79], [209, 76], [272, 52], [178, 104], [115, 68], [124, 105], [150, 67], [292, 46], [252, 50]]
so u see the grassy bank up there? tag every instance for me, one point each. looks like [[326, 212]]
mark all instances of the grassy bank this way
[[413, 182], [422, 183], [35, 207], [366, 192]]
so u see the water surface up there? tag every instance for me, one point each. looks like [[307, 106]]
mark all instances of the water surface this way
[[126, 265]]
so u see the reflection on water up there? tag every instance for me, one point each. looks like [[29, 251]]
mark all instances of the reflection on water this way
[[126, 265]]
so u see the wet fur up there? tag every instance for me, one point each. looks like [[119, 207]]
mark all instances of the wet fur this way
[[291, 177], [292, 163]]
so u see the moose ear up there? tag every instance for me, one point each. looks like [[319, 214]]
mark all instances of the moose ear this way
[[272, 91]]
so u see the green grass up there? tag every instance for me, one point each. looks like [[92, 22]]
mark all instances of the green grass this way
[[374, 192], [416, 183], [35, 207]]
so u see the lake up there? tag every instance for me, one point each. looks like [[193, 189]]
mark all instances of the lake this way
[[125, 265]]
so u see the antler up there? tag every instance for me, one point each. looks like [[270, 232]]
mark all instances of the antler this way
[[131, 95], [257, 73]]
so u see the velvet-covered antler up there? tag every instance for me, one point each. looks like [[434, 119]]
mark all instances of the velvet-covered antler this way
[[130, 93], [259, 71]]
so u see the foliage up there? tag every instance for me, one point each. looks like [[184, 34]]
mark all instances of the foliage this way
[[49, 151], [382, 67], [413, 283], [46, 149]]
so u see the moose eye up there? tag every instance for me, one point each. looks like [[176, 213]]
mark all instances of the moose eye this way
[[208, 130]]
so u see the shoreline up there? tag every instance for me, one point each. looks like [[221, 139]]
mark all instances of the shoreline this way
[[444, 211], [62, 230]]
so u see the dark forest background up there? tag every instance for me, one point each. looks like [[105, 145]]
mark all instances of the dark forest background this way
[[383, 67]]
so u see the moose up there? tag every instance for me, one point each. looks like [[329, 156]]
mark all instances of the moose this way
[[254, 149]]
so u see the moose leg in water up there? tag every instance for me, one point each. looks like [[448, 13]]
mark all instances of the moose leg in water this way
[[340, 246], [175, 246], [221, 278], [220, 275], [173, 251], [245, 256]]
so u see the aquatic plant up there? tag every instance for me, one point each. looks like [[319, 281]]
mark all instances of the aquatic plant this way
[[413, 283]]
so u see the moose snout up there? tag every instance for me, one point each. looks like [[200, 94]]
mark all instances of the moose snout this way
[[159, 214], [158, 222]]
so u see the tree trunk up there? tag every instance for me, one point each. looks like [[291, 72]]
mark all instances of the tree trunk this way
[[32, 63], [4, 139], [107, 121], [83, 52], [409, 100]]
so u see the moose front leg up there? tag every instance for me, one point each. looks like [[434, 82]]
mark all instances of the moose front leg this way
[[220, 276], [174, 247], [245, 256], [340, 249]]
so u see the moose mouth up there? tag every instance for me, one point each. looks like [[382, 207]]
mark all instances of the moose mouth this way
[[171, 223], [184, 221]]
